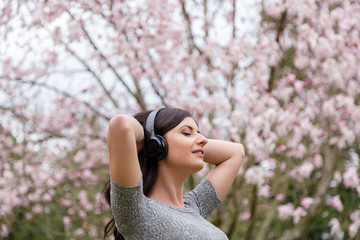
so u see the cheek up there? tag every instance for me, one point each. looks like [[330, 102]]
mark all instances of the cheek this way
[[176, 150], [178, 147]]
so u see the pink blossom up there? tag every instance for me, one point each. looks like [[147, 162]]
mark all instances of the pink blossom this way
[[46, 197], [317, 161], [303, 171], [336, 203], [79, 232], [334, 226], [37, 208], [136, 72], [274, 10], [66, 202], [337, 176], [298, 214], [84, 201], [281, 148], [350, 177], [306, 202], [255, 175], [279, 197], [291, 78], [80, 156], [355, 216], [29, 216], [283, 167], [15, 199], [298, 86], [328, 108], [67, 222], [301, 61], [264, 191], [59, 143], [285, 211], [74, 30], [325, 214], [245, 202], [298, 152], [93, 232], [4, 231], [355, 225], [82, 214], [87, 175], [57, 35], [353, 229], [324, 48], [245, 216]]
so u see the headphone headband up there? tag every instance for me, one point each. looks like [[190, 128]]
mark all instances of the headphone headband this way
[[150, 122], [156, 146]]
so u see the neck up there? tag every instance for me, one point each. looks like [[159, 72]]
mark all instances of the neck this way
[[168, 188]]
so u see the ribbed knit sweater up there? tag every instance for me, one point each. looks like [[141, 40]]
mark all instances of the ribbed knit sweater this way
[[140, 218]]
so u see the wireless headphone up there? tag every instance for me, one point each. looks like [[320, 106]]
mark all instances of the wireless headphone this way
[[156, 147]]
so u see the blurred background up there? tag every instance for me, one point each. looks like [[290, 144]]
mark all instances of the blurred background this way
[[279, 76]]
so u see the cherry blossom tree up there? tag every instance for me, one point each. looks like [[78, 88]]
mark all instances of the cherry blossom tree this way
[[279, 76]]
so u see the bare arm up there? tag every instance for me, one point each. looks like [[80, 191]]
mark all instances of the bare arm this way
[[227, 158], [125, 139]]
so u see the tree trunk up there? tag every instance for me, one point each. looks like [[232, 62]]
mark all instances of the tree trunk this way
[[300, 229]]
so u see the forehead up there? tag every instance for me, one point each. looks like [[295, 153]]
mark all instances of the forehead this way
[[188, 121]]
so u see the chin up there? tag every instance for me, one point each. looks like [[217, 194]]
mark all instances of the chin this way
[[198, 167]]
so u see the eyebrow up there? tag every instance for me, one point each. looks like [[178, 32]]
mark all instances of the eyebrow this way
[[191, 128]]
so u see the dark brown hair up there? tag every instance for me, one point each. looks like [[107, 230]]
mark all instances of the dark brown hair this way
[[165, 120]]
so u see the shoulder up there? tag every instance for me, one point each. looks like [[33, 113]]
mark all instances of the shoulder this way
[[127, 204], [203, 197], [126, 196]]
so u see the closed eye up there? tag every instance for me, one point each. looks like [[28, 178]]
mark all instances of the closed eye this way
[[186, 134]]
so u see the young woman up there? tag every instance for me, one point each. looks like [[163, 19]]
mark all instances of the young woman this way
[[150, 157]]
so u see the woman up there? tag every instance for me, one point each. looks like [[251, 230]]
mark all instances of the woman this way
[[148, 172]]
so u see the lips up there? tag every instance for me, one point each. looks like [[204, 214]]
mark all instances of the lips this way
[[199, 152]]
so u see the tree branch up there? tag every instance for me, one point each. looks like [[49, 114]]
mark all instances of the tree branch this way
[[156, 89], [138, 96], [266, 224], [206, 22], [233, 20], [253, 209], [279, 32], [21, 117], [237, 206], [191, 39], [34, 82], [328, 170], [239, 182]]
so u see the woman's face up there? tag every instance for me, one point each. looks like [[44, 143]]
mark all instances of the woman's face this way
[[186, 147]]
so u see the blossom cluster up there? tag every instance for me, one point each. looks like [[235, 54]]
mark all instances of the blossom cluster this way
[[282, 78]]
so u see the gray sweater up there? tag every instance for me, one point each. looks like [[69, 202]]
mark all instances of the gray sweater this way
[[138, 217]]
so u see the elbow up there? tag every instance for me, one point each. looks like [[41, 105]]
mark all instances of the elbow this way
[[119, 124], [240, 154], [242, 151]]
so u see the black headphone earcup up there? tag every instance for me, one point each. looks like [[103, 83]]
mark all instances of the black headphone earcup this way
[[156, 147], [164, 148], [152, 147]]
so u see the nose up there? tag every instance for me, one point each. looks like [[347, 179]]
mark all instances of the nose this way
[[201, 140]]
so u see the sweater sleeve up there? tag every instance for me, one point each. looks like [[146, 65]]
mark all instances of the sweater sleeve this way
[[127, 205], [203, 197]]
